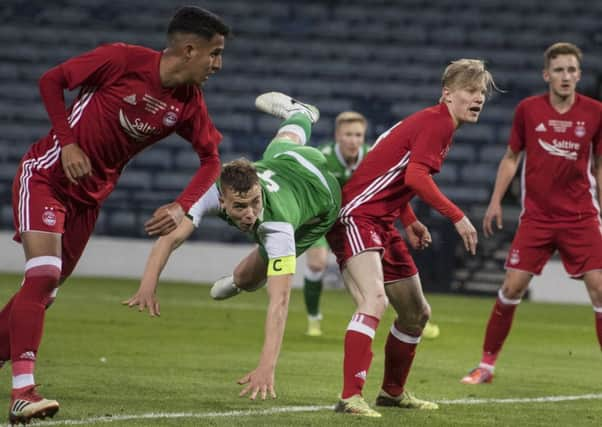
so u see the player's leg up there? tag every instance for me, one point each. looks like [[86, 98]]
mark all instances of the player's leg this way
[[363, 279], [316, 259], [580, 248], [593, 281], [404, 291], [413, 312], [510, 294], [26, 322], [249, 275]]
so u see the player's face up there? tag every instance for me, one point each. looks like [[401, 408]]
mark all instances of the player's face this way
[[562, 75], [205, 58], [465, 103], [350, 136], [242, 208]]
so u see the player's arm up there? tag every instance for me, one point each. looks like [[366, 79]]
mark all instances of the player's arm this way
[[204, 137], [280, 248], [599, 178], [419, 179], [145, 297], [505, 173], [92, 69]]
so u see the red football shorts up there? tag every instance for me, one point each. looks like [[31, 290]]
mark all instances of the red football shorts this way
[[353, 235], [37, 207], [579, 245]]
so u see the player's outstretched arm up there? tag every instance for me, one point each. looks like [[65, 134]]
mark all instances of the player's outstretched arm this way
[[165, 219], [505, 173], [145, 297], [261, 379]]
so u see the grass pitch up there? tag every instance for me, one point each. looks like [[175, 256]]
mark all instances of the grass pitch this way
[[107, 363]]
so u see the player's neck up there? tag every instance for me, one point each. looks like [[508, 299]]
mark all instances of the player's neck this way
[[561, 104], [168, 72]]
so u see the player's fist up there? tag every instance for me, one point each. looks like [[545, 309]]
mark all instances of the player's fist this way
[[76, 163]]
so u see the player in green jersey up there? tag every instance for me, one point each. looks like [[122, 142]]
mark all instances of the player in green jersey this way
[[343, 156], [286, 201]]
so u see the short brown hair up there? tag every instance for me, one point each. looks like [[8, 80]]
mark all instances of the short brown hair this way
[[464, 72], [561, 48], [239, 176], [350, 117]]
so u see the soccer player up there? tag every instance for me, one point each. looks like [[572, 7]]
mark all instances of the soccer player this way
[[561, 134], [343, 156], [375, 263], [130, 98], [285, 201]]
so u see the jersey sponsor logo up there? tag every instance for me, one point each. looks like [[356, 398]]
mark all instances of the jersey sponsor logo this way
[[561, 148], [130, 99], [580, 129], [541, 128], [560, 126], [170, 118], [138, 129], [49, 218], [514, 257], [153, 104]]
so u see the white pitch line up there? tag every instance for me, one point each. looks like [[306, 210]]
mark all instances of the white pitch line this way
[[292, 409]]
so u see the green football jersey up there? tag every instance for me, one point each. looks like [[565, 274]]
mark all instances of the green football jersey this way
[[336, 163], [301, 200]]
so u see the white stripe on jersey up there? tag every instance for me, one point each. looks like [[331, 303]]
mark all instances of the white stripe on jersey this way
[[353, 235], [376, 186], [307, 165], [42, 162], [592, 180], [85, 100], [77, 106]]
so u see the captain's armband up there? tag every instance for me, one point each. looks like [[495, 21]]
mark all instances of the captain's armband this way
[[282, 265]]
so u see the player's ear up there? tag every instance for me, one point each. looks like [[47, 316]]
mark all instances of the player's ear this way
[[445, 95], [546, 75]]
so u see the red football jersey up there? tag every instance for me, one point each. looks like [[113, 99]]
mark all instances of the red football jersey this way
[[121, 109], [377, 189], [557, 181]]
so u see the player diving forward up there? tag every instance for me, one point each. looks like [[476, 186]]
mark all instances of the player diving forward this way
[[286, 201]]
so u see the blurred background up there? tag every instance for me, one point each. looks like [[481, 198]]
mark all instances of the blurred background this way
[[381, 58]]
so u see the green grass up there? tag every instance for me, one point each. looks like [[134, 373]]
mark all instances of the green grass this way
[[188, 360]]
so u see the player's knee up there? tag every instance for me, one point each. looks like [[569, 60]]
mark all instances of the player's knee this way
[[379, 303], [42, 277]]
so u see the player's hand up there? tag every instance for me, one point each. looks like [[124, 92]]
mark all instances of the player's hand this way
[[494, 212], [164, 220], [468, 234], [76, 163], [418, 235], [261, 380], [144, 299]]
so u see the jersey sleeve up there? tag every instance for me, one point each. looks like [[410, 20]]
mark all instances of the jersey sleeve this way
[[207, 203], [98, 67], [278, 240], [205, 138], [517, 133], [597, 138], [429, 144]]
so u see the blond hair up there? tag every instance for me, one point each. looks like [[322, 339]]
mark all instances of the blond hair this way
[[464, 73], [561, 48], [350, 117]]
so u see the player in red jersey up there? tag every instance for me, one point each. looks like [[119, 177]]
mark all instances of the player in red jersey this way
[[130, 98], [375, 262], [560, 133]]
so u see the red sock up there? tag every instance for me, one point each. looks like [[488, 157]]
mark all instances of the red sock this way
[[400, 350], [498, 328], [598, 312], [358, 353], [26, 320]]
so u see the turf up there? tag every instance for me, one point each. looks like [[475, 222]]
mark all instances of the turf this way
[[101, 359]]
